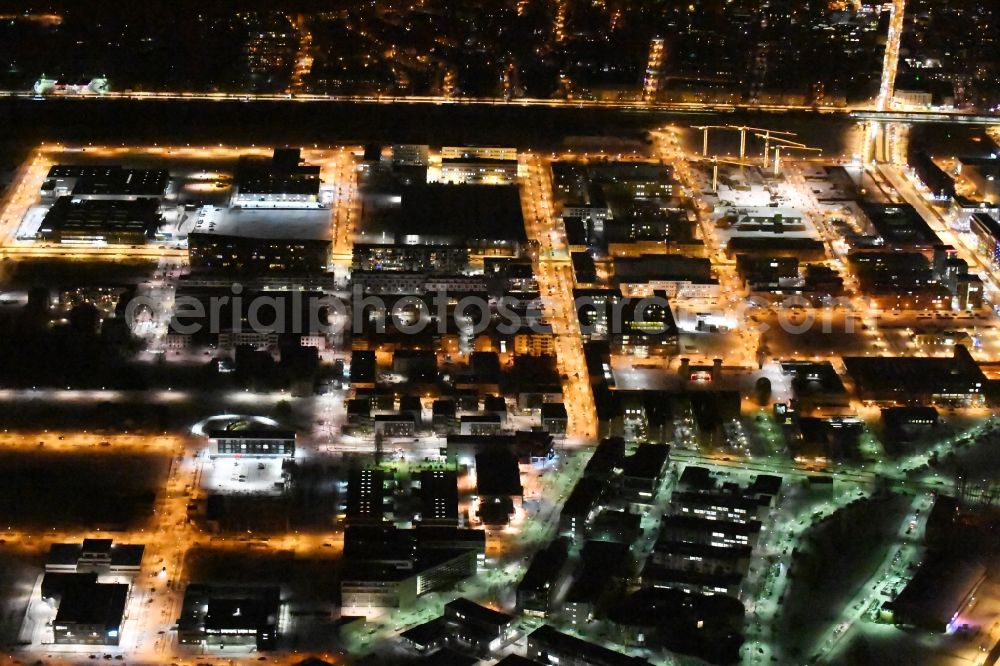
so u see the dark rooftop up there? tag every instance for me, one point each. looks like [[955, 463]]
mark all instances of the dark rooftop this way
[[900, 225], [584, 651], [477, 614], [647, 462], [438, 495], [696, 478], [99, 604], [98, 216], [908, 377], [546, 565], [470, 212], [497, 474], [583, 497], [281, 174], [366, 495], [113, 180]]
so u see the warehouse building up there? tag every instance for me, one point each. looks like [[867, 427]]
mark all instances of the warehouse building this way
[[101, 221]]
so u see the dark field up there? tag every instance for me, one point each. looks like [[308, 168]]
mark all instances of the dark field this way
[[40, 490]]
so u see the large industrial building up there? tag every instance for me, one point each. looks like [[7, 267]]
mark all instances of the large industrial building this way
[[918, 380], [259, 241], [387, 568], [281, 181], [487, 220], [101, 221], [104, 182]]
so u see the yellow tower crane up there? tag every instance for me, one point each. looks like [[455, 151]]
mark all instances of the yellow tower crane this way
[[785, 144]]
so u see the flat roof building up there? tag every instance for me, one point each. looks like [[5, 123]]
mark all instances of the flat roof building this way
[[815, 384], [934, 178], [95, 555], [276, 182], [922, 380], [937, 593], [477, 628], [217, 615], [101, 222], [260, 240], [366, 496], [900, 226], [104, 182], [549, 646], [538, 588], [90, 614], [246, 439], [984, 173], [487, 220], [986, 230], [386, 567], [498, 486], [438, 497], [427, 257]]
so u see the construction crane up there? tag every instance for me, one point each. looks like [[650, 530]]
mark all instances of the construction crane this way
[[715, 171], [743, 129], [767, 140], [704, 129], [785, 144]]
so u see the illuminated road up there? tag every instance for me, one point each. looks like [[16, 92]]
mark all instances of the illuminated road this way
[[875, 144], [343, 176], [554, 274], [890, 61], [637, 106]]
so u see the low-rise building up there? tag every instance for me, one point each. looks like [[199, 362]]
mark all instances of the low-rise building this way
[[922, 380], [986, 230], [937, 593], [90, 613], [549, 646], [217, 615], [104, 182], [554, 418], [281, 181], [476, 628], [258, 241], [387, 568], [245, 439], [478, 165], [95, 555]]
